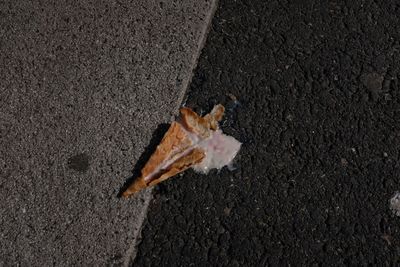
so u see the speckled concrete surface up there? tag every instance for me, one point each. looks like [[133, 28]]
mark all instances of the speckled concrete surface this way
[[83, 87]]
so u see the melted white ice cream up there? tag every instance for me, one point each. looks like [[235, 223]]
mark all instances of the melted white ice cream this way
[[220, 150]]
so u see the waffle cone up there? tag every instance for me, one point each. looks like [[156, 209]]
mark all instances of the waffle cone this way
[[177, 151]]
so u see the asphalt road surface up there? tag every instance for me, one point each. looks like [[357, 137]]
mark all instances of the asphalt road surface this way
[[319, 108]]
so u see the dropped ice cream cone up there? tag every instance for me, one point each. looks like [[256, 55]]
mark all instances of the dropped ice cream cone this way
[[193, 142], [173, 155]]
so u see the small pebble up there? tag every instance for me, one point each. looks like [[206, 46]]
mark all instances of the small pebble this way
[[395, 204]]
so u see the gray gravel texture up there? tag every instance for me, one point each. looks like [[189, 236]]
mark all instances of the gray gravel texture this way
[[83, 86]]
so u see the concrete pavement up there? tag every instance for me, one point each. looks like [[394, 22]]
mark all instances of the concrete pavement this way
[[83, 86]]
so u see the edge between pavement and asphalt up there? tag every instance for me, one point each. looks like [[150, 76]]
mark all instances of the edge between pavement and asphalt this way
[[131, 254]]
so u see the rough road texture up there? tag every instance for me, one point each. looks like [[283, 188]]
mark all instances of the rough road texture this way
[[83, 86], [318, 84]]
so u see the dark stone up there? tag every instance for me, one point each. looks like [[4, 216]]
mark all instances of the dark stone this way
[[373, 81]]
